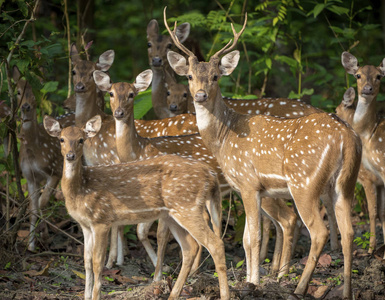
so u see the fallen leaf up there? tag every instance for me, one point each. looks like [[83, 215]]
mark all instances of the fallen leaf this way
[[325, 260], [43, 272], [79, 274], [140, 278]]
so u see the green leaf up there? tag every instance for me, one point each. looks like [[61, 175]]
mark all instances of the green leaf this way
[[339, 10], [50, 87], [239, 264], [318, 9], [108, 278], [23, 7], [297, 55], [142, 104], [268, 63]]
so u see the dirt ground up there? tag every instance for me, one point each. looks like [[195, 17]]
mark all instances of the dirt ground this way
[[56, 270]]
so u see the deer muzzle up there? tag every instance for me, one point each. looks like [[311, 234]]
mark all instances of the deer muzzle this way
[[157, 61], [79, 87], [173, 107], [70, 156], [367, 90], [200, 96], [119, 113]]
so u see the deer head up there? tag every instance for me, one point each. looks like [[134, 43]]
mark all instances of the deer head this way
[[83, 69], [178, 96], [203, 76], [72, 138], [159, 45], [368, 77], [122, 94]]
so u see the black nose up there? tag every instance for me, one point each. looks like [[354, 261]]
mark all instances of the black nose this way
[[80, 87], [156, 61], [200, 96], [173, 107], [70, 156], [367, 90], [26, 107], [119, 113]]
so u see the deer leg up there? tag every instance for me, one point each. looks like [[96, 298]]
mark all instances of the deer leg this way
[[112, 255], [252, 236], [197, 260], [381, 208], [371, 198], [265, 236], [122, 246], [342, 209], [163, 235], [334, 244], [49, 188], [308, 209], [142, 231], [202, 233], [285, 221], [99, 250], [189, 250], [88, 246], [33, 192]]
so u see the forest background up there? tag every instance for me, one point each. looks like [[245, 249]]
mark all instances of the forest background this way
[[290, 48]]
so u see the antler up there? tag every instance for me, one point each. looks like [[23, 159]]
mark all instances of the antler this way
[[175, 38], [236, 37]]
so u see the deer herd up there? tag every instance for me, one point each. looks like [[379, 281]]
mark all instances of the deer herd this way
[[115, 170]]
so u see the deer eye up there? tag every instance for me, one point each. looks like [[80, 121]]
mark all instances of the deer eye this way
[[168, 93], [379, 77], [185, 95], [149, 45], [131, 95], [215, 78], [189, 77], [358, 76], [61, 140], [169, 46], [73, 72], [111, 94], [81, 141]]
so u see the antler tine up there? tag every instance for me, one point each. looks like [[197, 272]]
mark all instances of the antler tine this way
[[236, 37], [174, 37]]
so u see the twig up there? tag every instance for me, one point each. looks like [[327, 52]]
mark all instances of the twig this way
[[69, 48], [12, 26], [50, 224]]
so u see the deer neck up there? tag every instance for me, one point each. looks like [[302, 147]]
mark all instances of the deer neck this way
[[86, 107], [72, 180], [129, 144], [158, 92], [30, 132], [215, 122], [365, 117]]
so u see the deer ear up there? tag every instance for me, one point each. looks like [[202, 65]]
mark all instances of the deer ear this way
[[52, 126], [229, 62], [152, 28], [74, 54], [382, 67], [178, 63], [105, 60], [102, 80], [349, 96], [183, 31], [349, 62], [93, 126], [143, 80], [16, 74]]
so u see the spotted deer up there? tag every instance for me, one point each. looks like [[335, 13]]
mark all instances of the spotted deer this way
[[131, 146], [158, 45], [371, 129], [40, 159], [261, 155], [178, 97], [102, 197]]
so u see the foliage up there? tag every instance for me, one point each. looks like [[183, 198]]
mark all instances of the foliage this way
[[363, 241]]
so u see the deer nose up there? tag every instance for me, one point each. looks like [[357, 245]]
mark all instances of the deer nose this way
[[173, 107], [70, 156], [200, 96], [79, 87], [119, 113], [26, 107], [157, 61], [367, 90]]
